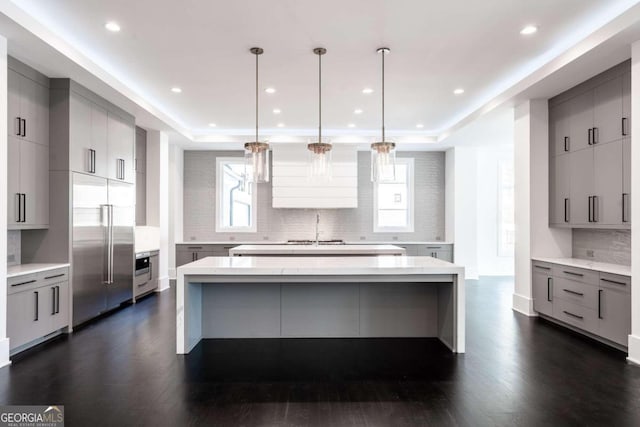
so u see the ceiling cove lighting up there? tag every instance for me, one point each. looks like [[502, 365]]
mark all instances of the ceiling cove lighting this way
[[319, 151], [112, 26], [383, 153], [256, 153], [528, 30]]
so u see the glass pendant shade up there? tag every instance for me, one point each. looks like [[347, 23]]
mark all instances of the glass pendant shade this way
[[320, 161], [383, 162], [256, 155]]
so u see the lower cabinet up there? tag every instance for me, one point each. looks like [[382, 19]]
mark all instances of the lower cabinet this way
[[146, 283], [38, 305], [190, 253], [595, 302]]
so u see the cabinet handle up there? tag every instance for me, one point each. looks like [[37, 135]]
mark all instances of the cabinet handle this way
[[57, 299], [599, 304], [590, 213], [571, 273], [24, 207], [549, 284], [624, 126], [542, 267], [36, 318], [594, 136], [23, 283], [624, 207], [19, 203], [53, 301], [150, 270], [572, 315], [594, 211], [92, 160], [613, 282], [569, 291], [566, 210], [19, 131], [194, 247], [54, 276], [590, 136], [566, 143]]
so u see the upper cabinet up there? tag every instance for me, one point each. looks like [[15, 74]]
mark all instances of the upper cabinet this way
[[293, 188], [140, 164], [91, 135], [28, 148], [589, 146]]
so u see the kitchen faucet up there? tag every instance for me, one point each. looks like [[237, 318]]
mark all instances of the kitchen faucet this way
[[317, 227]]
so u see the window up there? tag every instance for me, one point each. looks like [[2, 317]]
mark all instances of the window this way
[[235, 198], [506, 225], [393, 201]]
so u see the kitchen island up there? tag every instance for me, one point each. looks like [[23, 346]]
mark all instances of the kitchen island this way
[[316, 250], [293, 297]]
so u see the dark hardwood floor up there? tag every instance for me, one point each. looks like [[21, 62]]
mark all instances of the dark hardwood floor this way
[[122, 370]]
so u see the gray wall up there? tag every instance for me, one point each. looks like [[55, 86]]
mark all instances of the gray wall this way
[[612, 246], [282, 224], [14, 250]]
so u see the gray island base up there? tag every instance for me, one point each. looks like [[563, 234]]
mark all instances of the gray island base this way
[[323, 297]]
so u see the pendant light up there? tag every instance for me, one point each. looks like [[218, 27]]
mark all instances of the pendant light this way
[[256, 153], [383, 153], [320, 152]]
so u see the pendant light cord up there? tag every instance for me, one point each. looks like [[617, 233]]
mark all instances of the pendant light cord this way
[[257, 90], [320, 98], [383, 133]]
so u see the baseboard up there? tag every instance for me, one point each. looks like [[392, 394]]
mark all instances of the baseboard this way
[[523, 305], [163, 284], [4, 353], [634, 350]]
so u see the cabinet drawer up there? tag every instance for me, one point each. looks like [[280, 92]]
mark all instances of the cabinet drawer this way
[[53, 276], [615, 282], [576, 292], [578, 274], [542, 267], [143, 288], [194, 248], [576, 315], [22, 283]]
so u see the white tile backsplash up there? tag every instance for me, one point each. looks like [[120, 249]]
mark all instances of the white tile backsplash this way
[[14, 247], [282, 224], [613, 246]]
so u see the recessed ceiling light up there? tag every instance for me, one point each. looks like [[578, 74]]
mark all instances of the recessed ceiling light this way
[[112, 26], [276, 111], [270, 90], [351, 125], [367, 90], [458, 91], [419, 125], [176, 90], [280, 125], [528, 30], [212, 125], [357, 111]]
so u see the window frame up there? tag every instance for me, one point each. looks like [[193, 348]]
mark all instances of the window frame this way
[[253, 228], [409, 228]]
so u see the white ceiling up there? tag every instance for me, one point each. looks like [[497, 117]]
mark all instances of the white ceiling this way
[[202, 46]]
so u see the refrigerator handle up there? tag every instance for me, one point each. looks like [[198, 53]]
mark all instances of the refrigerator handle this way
[[111, 241], [106, 215]]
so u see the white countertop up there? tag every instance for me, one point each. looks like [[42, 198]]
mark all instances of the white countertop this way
[[317, 250], [283, 242], [623, 270], [140, 250], [22, 269], [319, 266]]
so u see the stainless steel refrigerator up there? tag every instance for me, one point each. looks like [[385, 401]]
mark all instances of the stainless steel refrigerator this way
[[103, 223]]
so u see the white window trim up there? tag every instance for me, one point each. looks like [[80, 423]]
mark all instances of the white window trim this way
[[254, 201], [410, 202]]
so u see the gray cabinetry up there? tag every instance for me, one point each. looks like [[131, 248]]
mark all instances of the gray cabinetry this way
[[87, 136], [626, 104], [443, 252], [581, 121], [596, 302], [559, 187], [28, 104], [607, 111], [581, 182], [141, 176], [38, 306], [120, 148], [186, 253], [148, 282], [559, 128], [626, 180], [542, 289], [607, 193]]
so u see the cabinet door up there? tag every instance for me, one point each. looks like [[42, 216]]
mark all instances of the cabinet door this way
[[141, 199], [80, 134], [99, 139], [581, 183], [120, 147], [626, 104], [58, 305], [34, 183], [607, 111], [13, 99], [614, 321], [183, 257], [155, 270], [559, 129], [581, 109], [204, 254], [444, 255], [26, 316], [626, 180], [141, 151], [608, 183], [35, 111], [543, 293], [559, 188], [13, 181]]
